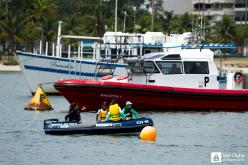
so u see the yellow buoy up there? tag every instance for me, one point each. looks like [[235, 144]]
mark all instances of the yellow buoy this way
[[148, 133], [39, 101]]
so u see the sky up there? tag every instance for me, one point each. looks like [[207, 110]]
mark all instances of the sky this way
[[178, 6]]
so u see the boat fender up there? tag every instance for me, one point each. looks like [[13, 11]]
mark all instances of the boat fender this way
[[106, 77], [122, 77], [238, 77]]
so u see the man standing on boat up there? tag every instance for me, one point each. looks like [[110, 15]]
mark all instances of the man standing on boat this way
[[129, 112]]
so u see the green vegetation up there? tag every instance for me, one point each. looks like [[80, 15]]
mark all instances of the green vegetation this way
[[23, 23]]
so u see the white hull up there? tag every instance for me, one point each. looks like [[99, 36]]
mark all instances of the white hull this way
[[45, 70]]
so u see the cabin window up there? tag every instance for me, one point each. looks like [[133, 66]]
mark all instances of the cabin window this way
[[135, 67], [170, 67], [196, 67], [147, 51], [114, 53], [149, 67], [151, 50]]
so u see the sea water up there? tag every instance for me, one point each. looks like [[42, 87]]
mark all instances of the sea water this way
[[191, 138]]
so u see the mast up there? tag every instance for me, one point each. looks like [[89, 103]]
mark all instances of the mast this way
[[116, 5], [58, 40]]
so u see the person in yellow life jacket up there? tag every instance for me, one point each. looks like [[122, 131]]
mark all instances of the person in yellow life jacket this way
[[102, 112], [114, 113]]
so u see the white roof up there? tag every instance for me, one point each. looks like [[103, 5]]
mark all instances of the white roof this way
[[194, 54], [186, 54]]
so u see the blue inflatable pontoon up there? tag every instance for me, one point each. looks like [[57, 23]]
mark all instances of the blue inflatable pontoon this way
[[56, 127]]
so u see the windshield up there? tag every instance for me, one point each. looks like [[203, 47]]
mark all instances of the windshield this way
[[149, 67], [170, 67]]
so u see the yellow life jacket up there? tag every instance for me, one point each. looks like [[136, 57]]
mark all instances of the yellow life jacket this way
[[103, 114], [114, 112]]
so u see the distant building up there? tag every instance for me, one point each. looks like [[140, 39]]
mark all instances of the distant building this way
[[241, 12], [216, 9], [177, 6]]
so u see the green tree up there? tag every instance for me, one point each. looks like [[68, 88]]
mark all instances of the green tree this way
[[225, 31], [31, 34], [40, 12], [11, 31], [49, 32], [185, 23], [166, 21], [241, 35]]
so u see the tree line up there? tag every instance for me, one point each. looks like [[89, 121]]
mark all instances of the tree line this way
[[26, 22]]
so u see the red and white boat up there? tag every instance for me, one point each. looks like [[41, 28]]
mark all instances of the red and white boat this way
[[90, 93], [183, 80]]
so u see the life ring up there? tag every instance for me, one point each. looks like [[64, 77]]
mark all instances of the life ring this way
[[106, 77], [122, 77], [238, 77]]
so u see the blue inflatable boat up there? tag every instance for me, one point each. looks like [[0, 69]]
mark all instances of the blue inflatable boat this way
[[56, 127]]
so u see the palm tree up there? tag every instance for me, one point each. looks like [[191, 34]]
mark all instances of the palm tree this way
[[72, 24], [40, 11], [49, 29], [241, 37], [185, 23], [166, 21], [144, 21], [11, 31], [93, 9], [225, 30], [31, 34]]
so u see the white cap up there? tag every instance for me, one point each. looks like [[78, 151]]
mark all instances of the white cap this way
[[129, 103]]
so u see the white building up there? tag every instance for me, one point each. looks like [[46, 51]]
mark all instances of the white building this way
[[214, 9]]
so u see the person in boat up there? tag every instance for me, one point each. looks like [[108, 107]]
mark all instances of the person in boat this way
[[74, 113], [102, 112], [175, 69], [129, 112], [114, 113]]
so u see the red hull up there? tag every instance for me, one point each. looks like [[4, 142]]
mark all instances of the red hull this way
[[90, 93]]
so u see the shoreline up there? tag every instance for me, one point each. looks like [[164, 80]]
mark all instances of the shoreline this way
[[9, 68]]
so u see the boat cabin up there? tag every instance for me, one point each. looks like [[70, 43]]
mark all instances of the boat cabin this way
[[188, 68]]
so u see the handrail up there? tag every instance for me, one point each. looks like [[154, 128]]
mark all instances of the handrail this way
[[81, 37]]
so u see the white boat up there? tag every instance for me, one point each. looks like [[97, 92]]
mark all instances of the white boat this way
[[94, 58], [45, 70]]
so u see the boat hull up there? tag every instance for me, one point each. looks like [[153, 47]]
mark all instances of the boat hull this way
[[90, 93], [56, 127], [45, 70]]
